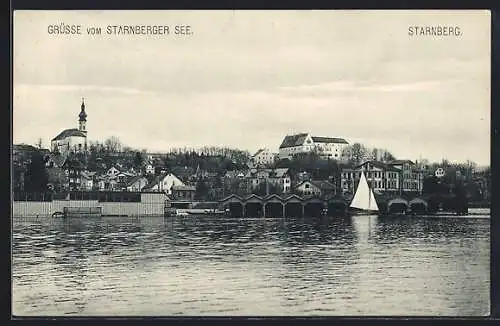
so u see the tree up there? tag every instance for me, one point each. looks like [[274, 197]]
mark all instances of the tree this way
[[18, 178], [36, 176], [430, 185], [387, 156], [138, 159], [113, 144], [201, 192], [355, 154]]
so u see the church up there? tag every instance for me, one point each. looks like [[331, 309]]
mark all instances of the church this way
[[74, 139]]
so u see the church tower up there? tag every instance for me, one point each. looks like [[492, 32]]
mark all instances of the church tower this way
[[82, 126]]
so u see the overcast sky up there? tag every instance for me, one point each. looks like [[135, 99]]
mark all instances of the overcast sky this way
[[247, 78]]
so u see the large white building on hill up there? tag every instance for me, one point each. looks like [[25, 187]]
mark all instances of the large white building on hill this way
[[327, 147]]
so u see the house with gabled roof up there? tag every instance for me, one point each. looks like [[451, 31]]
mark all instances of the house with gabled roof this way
[[136, 183], [326, 147], [315, 188], [164, 183], [263, 157], [113, 171], [107, 183]]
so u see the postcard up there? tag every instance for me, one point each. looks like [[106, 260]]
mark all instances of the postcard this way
[[251, 163]]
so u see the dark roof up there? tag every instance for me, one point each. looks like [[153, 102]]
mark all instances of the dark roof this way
[[329, 140], [24, 147], [86, 175], [133, 180], [182, 171], [380, 165], [347, 166], [258, 152], [293, 140], [156, 180], [116, 167], [68, 133], [397, 162], [323, 185], [73, 163], [58, 159]]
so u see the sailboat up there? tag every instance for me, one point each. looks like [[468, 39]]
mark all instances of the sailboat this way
[[364, 202]]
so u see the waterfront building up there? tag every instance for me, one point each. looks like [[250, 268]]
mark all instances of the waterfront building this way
[[382, 177], [326, 147], [348, 178], [183, 192], [411, 176], [73, 139], [315, 188]]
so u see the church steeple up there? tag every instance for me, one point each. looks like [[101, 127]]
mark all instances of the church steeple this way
[[83, 117]]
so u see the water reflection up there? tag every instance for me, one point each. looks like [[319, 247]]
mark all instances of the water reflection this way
[[199, 265]]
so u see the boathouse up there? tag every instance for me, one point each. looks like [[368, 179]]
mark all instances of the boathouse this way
[[277, 206]]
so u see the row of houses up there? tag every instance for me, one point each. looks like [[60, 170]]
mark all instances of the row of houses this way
[[67, 173], [394, 177]]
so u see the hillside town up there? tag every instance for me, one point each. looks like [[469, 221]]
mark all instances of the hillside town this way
[[305, 164]]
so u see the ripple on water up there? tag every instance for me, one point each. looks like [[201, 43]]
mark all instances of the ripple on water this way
[[257, 267]]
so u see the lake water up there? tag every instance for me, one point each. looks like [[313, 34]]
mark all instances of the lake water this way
[[363, 265]]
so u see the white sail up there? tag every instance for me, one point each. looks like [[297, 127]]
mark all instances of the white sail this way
[[364, 198]]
